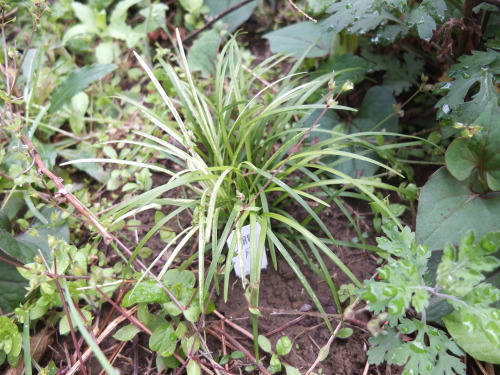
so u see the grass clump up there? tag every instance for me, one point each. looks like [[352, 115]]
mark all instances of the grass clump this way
[[236, 148]]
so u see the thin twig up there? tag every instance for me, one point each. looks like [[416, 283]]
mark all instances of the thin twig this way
[[323, 350], [232, 324], [215, 19], [81, 358], [63, 191], [124, 313], [242, 349], [101, 337], [302, 12]]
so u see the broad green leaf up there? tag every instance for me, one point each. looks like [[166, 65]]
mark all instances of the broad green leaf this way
[[64, 328], [203, 53], [145, 292], [481, 69], [376, 114], [477, 159], [186, 278], [291, 370], [10, 338], [150, 320], [284, 345], [400, 73], [4, 221], [106, 52], [345, 333], [163, 340], [119, 15], [193, 368], [29, 67], [12, 287], [95, 170], [127, 333], [264, 344], [447, 209], [297, 38], [78, 81], [86, 16], [167, 362], [9, 246], [233, 19], [77, 30], [191, 6], [155, 15], [36, 239], [475, 343], [79, 105]]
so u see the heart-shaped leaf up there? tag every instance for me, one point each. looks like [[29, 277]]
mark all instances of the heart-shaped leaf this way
[[477, 159], [448, 209]]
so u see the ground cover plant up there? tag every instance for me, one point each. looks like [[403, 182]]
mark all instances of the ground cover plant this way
[[150, 150]]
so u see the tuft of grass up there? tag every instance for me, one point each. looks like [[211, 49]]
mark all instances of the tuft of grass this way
[[238, 147]]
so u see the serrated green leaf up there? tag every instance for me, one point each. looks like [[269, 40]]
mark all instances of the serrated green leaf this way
[[362, 16], [460, 271], [383, 347], [78, 81], [400, 75], [351, 12], [481, 69], [127, 332]]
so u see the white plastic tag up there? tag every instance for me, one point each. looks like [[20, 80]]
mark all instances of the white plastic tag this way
[[245, 235]]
